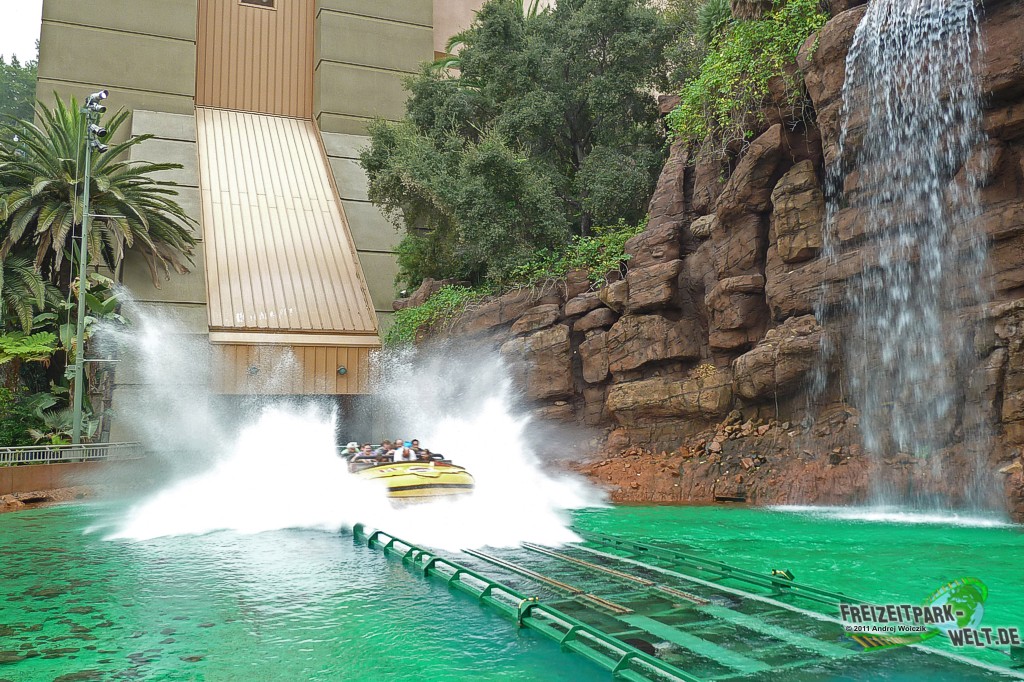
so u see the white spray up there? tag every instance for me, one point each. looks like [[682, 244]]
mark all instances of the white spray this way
[[282, 470]]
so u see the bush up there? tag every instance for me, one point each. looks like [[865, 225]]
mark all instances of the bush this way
[[717, 106], [17, 416], [598, 255], [439, 309]]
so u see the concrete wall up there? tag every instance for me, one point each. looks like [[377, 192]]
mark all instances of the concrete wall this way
[[363, 51], [143, 51], [32, 477], [375, 237]]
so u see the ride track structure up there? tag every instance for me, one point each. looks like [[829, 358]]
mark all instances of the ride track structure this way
[[615, 601]]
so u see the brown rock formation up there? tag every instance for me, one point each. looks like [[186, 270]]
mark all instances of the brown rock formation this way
[[715, 314], [541, 362]]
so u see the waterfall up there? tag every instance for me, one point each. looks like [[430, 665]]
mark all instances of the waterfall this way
[[903, 192]]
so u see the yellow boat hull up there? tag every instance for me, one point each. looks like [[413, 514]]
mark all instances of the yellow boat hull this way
[[418, 480]]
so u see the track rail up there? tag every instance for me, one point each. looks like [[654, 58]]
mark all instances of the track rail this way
[[621, 659]]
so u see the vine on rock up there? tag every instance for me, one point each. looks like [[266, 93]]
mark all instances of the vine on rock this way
[[721, 106]]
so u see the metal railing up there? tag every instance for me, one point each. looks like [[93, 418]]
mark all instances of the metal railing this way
[[622, 659], [56, 454]]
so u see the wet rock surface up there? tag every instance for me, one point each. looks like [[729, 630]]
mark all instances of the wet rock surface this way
[[717, 309]]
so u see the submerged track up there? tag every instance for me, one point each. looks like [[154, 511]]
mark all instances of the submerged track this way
[[655, 612]]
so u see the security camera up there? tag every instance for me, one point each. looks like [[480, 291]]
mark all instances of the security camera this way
[[98, 146], [96, 97], [97, 131], [97, 108]]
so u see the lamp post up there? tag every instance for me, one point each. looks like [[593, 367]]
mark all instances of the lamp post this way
[[93, 134]]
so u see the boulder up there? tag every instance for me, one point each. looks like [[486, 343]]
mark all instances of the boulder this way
[[536, 318], [577, 282], [708, 180], [703, 227], [780, 362], [652, 287], [636, 340], [594, 356], [541, 363], [738, 245], [501, 310], [655, 245], [750, 9], [594, 413], [749, 189], [798, 213], [737, 312], [706, 395], [668, 205], [582, 304], [822, 58], [615, 295], [602, 318]]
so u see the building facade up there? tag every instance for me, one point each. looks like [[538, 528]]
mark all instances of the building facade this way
[[265, 104]]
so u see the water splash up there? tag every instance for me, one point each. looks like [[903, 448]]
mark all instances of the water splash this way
[[903, 191], [279, 468], [895, 515]]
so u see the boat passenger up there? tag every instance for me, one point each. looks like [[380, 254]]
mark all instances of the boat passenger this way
[[423, 454], [415, 444], [365, 454], [404, 453], [385, 449], [350, 450]]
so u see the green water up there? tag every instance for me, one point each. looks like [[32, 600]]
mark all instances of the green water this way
[[309, 605]]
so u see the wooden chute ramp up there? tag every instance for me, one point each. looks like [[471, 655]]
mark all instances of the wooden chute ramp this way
[[288, 305]]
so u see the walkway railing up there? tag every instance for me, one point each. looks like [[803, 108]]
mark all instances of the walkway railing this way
[[55, 454]]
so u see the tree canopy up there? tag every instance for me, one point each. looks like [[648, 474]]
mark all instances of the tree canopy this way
[[547, 128], [17, 88]]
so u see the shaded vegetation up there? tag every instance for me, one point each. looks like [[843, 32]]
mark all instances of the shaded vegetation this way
[[548, 128]]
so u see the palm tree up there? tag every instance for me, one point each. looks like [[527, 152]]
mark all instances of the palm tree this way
[[41, 169], [22, 292]]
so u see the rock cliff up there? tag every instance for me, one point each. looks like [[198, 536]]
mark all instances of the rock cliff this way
[[696, 361]]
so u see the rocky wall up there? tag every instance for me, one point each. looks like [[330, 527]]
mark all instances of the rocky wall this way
[[713, 321]]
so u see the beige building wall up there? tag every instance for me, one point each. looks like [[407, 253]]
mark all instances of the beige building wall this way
[[363, 52], [143, 51]]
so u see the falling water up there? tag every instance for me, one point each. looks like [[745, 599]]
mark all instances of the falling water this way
[[904, 192]]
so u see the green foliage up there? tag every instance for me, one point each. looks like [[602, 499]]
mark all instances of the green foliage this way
[[41, 183], [56, 426], [439, 309], [27, 347], [716, 107], [712, 19], [599, 254], [23, 292], [17, 88], [547, 128], [18, 414]]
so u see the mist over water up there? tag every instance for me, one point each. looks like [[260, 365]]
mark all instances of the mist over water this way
[[273, 464]]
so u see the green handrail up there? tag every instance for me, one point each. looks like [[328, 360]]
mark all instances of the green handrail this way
[[525, 608]]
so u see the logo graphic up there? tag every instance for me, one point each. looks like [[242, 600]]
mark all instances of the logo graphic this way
[[954, 610]]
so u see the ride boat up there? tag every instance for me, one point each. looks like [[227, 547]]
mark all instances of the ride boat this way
[[419, 480]]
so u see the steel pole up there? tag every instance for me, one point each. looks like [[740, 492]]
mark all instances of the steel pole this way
[[83, 263]]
